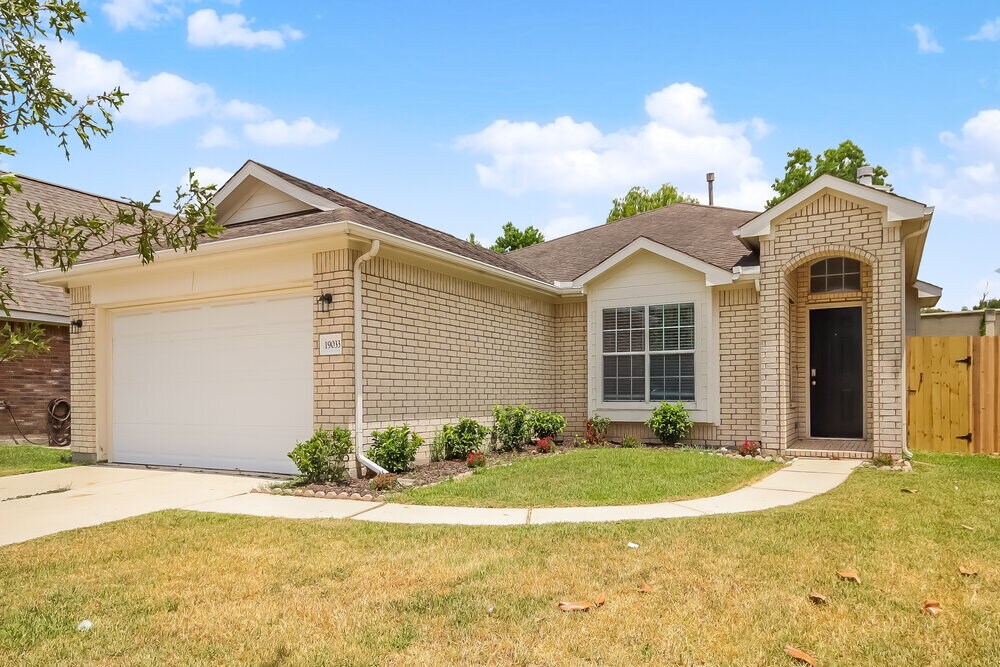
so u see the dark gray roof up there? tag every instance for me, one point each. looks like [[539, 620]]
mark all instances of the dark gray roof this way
[[703, 232]]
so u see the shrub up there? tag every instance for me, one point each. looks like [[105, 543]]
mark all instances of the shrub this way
[[546, 424], [670, 423], [596, 430], [476, 460], [510, 426], [457, 440], [882, 460], [395, 448], [322, 458], [438, 447], [544, 445], [749, 448], [383, 482], [630, 442]]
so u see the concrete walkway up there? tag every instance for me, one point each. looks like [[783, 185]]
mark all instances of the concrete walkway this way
[[801, 480], [70, 498]]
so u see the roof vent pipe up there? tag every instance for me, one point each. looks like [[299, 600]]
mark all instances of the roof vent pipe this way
[[710, 177], [359, 393], [865, 175]]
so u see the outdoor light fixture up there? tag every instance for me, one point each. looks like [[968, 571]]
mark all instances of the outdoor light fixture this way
[[76, 324], [324, 301]]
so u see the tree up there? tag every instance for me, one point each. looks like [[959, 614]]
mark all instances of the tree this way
[[801, 169], [640, 200], [30, 100], [513, 238]]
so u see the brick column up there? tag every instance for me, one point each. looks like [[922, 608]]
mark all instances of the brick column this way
[[773, 326], [887, 343], [83, 378], [333, 375]]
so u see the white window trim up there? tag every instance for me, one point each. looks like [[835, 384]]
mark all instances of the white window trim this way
[[705, 407]]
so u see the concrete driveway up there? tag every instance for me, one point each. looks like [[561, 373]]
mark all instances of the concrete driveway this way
[[97, 494]]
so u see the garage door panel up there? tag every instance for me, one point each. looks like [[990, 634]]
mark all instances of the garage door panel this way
[[220, 385]]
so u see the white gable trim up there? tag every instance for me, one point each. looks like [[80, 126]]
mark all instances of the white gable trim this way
[[253, 170], [898, 208], [928, 294], [713, 274]]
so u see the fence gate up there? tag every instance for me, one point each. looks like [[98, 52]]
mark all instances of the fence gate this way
[[953, 393]]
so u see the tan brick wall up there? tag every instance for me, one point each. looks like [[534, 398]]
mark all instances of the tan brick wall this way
[[570, 386], [829, 225], [83, 375], [29, 384], [438, 348], [739, 380]]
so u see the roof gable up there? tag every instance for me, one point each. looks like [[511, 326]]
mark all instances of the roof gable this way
[[897, 208], [641, 246]]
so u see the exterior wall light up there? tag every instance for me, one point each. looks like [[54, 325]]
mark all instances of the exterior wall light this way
[[324, 301]]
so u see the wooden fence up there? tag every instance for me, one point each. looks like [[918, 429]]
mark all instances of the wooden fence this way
[[953, 393]]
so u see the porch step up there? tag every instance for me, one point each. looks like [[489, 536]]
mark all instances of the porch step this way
[[843, 449], [827, 453]]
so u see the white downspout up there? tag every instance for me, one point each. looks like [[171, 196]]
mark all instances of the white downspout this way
[[907, 454], [359, 426]]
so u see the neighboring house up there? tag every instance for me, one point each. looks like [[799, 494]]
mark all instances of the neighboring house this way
[[960, 323], [314, 309]]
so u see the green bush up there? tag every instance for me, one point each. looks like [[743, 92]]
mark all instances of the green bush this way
[[670, 423], [596, 430], [395, 448], [457, 441], [546, 424], [511, 428], [322, 458], [630, 442]]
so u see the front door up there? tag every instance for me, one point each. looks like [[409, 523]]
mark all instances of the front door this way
[[836, 373]]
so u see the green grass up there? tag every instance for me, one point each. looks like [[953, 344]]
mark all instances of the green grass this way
[[17, 459], [594, 477], [187, 588]]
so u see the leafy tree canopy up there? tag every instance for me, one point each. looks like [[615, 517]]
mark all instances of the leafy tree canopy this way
[[640, 200], [802, 169], [31, 101], [514, 238]]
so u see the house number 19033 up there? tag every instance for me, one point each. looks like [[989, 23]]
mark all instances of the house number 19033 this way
[[330, 344]]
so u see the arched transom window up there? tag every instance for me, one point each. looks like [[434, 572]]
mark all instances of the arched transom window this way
[[836, 274]]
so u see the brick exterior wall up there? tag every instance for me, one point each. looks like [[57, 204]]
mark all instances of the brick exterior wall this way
[[570, 385], [29, 384], [828, 226], [739, 379], [83, 373]]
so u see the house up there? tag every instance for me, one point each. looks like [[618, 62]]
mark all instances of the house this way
[[315, 309], [28, 385]]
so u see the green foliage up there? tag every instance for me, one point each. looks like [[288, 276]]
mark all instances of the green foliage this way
[[383, 482], [18, 341], [456, 441], [670, 423], [640, 200], [595, 430], [395, 448], [545, 424], [882, 460], [511, 428], [30, 100], [513, 238], [801, 169], [322, 458], [631, 442]]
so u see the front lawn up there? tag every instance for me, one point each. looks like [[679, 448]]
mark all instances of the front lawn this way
[[595, 477], [191, 588], [17, 459]]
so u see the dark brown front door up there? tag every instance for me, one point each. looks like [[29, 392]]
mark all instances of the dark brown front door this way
[[836, 373]]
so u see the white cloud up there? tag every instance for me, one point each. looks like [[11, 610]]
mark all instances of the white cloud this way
[[207, 28], [139, 13], [566, 224], [682, 140], [989, 31], [925, 39], [968, 184], [245, 111], [216, 137], [302, 132], [208, 176]]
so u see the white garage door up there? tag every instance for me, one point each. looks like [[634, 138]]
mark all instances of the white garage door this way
[[224, 384]]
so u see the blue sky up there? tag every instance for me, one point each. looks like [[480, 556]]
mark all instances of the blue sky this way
[[465, 115]]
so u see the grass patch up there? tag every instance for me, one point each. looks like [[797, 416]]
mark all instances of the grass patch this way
[[18, 459], [594, 477], [193, 588]]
